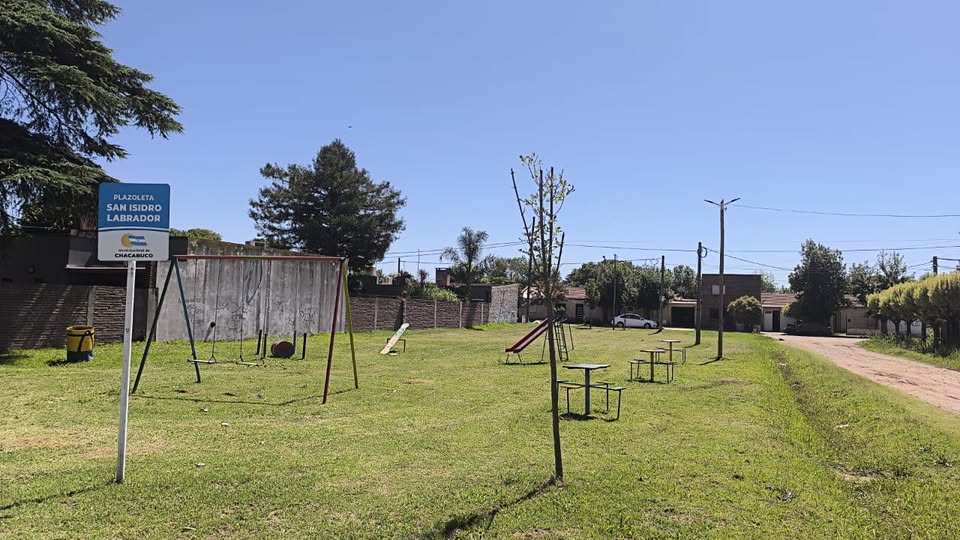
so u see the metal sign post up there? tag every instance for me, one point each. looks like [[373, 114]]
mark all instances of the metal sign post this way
[[133, 225]]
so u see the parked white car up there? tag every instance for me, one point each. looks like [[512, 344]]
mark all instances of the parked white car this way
[[632, 320]]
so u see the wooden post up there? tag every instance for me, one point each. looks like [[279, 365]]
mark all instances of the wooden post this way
[[723, 308]]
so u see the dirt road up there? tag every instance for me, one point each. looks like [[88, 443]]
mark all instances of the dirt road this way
[[935, 385]]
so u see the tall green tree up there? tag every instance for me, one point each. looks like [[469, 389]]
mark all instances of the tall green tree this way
[[768, 283], [504, 270], [820, 281], [469, 264], [63, 98], [329, 206], [891, 270], [684, 281], [863, 280], [633, 287]]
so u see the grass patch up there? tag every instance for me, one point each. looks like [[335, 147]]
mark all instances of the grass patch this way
[[910, 349], [500, 326], [443, 441]]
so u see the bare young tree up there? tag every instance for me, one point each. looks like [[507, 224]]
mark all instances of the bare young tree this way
[[545, 240]]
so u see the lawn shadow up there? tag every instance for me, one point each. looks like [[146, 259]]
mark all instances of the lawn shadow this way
[[10, 358], [242, 401], [40, 500], [523, 363], [708, 362], [482, 518], [648, 381], [577, 417], [58, 362]]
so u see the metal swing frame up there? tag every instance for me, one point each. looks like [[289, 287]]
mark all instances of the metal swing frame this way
[[174, 269]]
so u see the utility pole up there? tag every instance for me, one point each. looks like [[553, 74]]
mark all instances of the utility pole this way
[[616, 278], [698, 312], [418, 262], [723, 208], [663, 271], [399, 271], [937, 326]]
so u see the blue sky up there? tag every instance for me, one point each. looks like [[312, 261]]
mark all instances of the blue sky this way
[[649, 107]]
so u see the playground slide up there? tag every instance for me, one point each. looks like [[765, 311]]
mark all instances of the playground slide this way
[[529, 338]]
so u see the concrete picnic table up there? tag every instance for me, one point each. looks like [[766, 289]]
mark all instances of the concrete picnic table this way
[[587, 368]]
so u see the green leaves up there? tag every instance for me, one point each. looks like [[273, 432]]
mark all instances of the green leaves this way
[[820, 281], [64, 97], [933, 299], [330, 207], [746, 309]]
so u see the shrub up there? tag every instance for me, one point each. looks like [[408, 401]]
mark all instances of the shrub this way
[[746, 310]]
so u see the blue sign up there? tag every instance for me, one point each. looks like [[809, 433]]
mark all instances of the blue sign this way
[[133, 222]]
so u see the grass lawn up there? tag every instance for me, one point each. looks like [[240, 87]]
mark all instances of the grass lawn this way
[[892, 347], [444, 441]]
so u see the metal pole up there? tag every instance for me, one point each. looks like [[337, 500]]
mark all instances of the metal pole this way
[[698, 312], [615, 279], [353, 350], [333, 333], [663, 291], [153, 329], [125, 371], [186, 318]]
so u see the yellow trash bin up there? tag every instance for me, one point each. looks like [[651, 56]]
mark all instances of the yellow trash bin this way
[[80, 343]]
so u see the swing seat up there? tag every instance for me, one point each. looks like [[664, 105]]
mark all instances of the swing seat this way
[[193, 361], [258, 362]]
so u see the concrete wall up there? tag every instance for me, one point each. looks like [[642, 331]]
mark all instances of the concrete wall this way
[[243, 296]]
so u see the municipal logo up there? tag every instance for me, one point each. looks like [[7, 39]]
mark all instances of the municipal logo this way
[[133, 240]]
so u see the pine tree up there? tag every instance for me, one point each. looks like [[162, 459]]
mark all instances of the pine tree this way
[[329, 207], [62, 98]]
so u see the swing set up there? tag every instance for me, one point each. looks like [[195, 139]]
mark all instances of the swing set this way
[[255, 291]]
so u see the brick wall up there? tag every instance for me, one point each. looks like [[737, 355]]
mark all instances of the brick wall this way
[[421, 313], [35, 316], [736, 285], [375, 313], [389, 313]]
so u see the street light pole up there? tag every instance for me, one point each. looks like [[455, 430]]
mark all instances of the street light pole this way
[[723, 208]]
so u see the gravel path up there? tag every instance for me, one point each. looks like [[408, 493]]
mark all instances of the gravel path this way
[[935, 385]]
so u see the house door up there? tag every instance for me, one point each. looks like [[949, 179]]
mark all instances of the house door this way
[[776, 320], [578, 314]]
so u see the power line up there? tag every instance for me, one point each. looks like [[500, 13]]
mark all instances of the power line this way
[[658, 250], [849, 214], [854, 250]]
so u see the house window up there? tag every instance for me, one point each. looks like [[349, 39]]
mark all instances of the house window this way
[[715, 290], [714, 313]]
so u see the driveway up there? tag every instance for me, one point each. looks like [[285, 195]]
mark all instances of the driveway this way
[[935, 385]]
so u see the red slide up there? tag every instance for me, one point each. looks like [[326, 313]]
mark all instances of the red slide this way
[[529, 338]]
